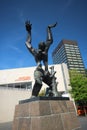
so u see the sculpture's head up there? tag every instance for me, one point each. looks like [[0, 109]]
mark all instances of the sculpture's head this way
[[41, 46]]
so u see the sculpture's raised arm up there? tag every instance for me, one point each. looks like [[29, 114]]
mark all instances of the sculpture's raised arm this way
[[28, 26], [28, 29], [49, 40]]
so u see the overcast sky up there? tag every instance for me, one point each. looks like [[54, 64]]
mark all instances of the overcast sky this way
[[71, 16]]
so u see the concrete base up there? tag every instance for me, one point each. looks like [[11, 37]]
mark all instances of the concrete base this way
[[46, 115]]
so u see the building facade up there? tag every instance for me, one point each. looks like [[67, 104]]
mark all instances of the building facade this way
[[68, 52], [23, 78], [17, 84]]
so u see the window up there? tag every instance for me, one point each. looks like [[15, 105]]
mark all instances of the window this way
[[24, 85]]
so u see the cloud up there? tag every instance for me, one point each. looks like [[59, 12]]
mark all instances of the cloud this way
[[15, 49], [67, 4], [21, 16]]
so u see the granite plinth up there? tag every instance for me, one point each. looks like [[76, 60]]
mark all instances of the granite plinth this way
[[42, 98], [45, 115]]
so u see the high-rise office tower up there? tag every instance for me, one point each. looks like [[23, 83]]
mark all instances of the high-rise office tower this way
[[68, 52]]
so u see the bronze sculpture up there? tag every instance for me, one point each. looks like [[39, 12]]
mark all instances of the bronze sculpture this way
[[41, 54]]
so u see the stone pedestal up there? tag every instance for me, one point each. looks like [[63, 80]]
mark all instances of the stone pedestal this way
[[45, 115]]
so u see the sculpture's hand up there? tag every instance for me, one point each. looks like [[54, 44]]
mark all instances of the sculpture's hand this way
[[52, 25], [28, 26]]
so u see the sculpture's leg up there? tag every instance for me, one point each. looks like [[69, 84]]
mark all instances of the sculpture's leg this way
[[38, 74], [54, 83], [36, 89], [48, 80]]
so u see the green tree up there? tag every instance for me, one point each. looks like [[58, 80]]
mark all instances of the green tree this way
[[86, 72], [78, 84]]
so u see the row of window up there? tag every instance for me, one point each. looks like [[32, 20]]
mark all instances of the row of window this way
[[76, 66], [71, 46], [26, 85], [60, 52], [59, 59], [69, 60], [74, 58]]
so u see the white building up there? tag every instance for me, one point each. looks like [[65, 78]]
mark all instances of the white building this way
[[16, 84]]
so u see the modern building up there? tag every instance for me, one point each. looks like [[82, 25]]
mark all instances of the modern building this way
[[67, 51], [17, 84]]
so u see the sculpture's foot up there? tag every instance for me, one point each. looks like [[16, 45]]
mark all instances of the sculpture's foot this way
[[56, 94], [52, 25], [33, 96]]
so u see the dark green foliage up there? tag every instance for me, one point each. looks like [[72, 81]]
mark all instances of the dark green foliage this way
[[78, 83]]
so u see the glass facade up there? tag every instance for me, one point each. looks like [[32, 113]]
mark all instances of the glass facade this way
[[68, 52], [21, 85]]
